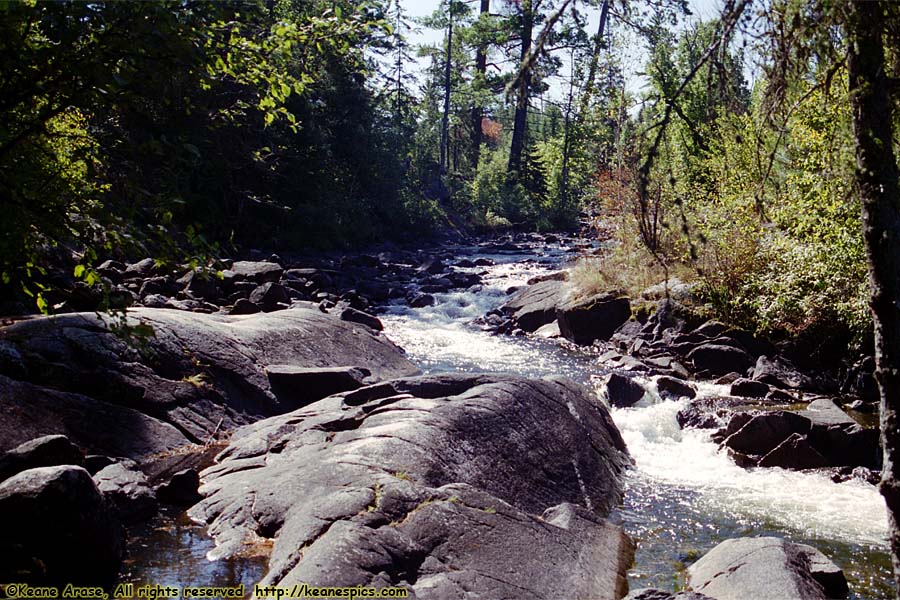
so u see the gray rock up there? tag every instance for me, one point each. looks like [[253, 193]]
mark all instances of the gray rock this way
[[201, 286], [676, 289], [421, 300], [549, 331], [555, 276], [433, 267], [56, 528], [299, 386], [712, 329], [270, 297], [127, 488], [243, 306], [158, 286], [259, 272], [779, 373], [764, 567], [839, 438], [623, 391], [406, 472], [794, 453], [198, 376], [711, 413], [155, 301], [46, 451], [675, 388], [764, 432], [95, 462], [534, 306], [141, 268], [595, 318], [363, 318], [655, 594], [718, 359], [829, 575], [749, 388], [181, 489]]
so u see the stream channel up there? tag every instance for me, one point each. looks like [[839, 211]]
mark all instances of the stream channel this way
[[682, 498]]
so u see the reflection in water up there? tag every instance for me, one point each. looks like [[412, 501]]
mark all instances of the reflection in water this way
[[171, 550]]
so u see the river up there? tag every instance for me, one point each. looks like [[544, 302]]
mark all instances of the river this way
[[683, 496]]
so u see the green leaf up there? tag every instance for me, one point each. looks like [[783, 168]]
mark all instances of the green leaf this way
[[79, 271]]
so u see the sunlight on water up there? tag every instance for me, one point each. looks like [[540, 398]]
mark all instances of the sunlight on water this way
[[805, 502], [684, 496]]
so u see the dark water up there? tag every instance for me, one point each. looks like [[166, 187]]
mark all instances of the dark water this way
[[171, 551]]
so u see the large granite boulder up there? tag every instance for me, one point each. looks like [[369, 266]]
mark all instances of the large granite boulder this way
[[462, 486], [823, 435], [584, 321], [196, 377], [766, 567], [719, 359], [535, 306], [56, 528]]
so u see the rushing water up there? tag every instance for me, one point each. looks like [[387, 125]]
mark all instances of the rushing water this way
[[683, 496]]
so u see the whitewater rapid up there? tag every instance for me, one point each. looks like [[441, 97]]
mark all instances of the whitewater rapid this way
[[683, 493]]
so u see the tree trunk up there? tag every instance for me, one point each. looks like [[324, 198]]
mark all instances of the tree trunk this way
[[564, 184], [595, 60], [877, 180], [478, 109], [445, 121], [520, 123]]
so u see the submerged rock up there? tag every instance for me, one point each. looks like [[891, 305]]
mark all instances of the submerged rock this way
[[437, 483]]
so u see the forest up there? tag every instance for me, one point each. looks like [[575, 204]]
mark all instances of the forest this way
[[179, 128], [749, 155]]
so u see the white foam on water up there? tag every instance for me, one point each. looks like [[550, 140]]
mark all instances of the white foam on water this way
[[439, 338], [806, 502]]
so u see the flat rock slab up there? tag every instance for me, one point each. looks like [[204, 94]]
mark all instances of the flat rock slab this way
[[434, 483], [196, 377], [766, 567]]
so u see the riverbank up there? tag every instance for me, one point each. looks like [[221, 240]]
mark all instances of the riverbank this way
[[682, 497]]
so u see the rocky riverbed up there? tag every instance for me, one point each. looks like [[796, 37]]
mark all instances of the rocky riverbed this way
[[456, 484]]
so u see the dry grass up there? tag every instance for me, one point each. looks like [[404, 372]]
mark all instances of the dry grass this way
[[627, 267]]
